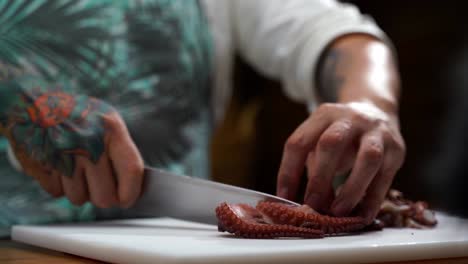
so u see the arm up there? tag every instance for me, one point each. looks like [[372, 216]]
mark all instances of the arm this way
[[285, 39], [357, 130], [72, 144], [327, 51], [359, 68]]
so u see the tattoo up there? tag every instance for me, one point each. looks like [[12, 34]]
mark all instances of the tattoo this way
[[330, 74], [50, 125]]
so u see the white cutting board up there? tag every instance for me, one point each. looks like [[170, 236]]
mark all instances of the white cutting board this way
[[166, 240]]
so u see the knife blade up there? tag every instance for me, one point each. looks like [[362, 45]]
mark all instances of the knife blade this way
[[188, 198]]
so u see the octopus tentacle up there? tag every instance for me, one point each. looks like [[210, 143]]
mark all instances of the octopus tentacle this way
[[304, 216], [396, 211], [245, 221], [272, 219]]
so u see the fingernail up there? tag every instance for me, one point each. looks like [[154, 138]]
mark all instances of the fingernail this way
[[313, 200], [283, 192]]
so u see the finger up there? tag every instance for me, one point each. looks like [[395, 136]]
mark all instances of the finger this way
[[102, 186], [347, 160], [322, 169], [368, 162], [48, 179], [127, 164], [295, 153], [328, 194], [75, 186], [379, 187], [43, 174], [320, 201]]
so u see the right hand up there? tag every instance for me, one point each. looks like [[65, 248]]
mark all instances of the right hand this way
[[76, 146], [356, 137]]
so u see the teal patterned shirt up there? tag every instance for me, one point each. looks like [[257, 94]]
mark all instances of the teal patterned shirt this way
[[150, 59]]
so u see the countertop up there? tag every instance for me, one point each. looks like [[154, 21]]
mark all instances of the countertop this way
[[19, 253]]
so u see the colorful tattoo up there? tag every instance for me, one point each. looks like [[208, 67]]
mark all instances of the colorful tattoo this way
[[51, 125]]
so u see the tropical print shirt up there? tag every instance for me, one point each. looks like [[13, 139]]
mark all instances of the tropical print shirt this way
[[149, 59]]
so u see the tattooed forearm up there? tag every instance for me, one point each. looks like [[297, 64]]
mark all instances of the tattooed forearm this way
[[331, 73], [50, 124]]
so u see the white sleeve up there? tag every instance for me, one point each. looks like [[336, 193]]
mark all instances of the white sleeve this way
[[284, 39]]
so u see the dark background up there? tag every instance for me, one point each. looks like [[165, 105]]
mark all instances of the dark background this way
[[431, 38]]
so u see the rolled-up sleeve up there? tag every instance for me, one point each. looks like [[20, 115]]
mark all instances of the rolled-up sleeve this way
[[284, 39]]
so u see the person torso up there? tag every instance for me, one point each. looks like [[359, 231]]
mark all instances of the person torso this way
[[150, 59]]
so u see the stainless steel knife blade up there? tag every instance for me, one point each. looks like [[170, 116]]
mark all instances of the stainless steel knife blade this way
[[189, 198]]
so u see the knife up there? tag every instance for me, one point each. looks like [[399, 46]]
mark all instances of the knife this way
[[188, 198]]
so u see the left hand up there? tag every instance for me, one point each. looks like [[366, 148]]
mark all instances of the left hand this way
[[336, 138]]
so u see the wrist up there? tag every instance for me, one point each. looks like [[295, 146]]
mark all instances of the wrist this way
[[381, 88], [388, 105], [380, 111], [359, 69]]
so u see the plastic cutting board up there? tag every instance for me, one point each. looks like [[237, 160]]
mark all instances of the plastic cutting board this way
[[167, 240]]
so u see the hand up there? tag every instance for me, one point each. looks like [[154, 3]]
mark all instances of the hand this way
[[337, 138], [75, 146]]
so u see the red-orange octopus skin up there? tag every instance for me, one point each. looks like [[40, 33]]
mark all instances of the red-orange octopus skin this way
[[245, 221], [304, 216], [272, 219]]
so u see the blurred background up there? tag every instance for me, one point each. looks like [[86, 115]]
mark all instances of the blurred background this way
[[432, 43]]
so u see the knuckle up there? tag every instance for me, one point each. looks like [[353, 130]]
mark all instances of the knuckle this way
[[360, 118], [373, 153], [394, 139], [339, 131], [325, 107], [296, 142], [330, 141], [114, 122]]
